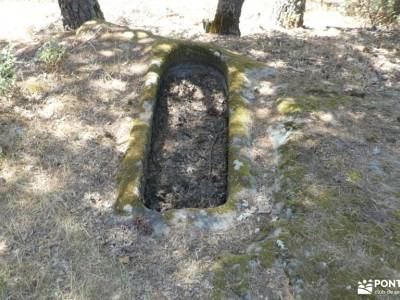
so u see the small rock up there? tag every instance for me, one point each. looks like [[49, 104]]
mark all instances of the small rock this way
[[247, 213], [248, 94], [307, 253], [376, 150], [217, 53], [237, 164], [298, 285], [151, 78], [277, 208], [288, 213], [245, 204], [353, 90], [19, 130], [50, 108], [156, 63], [326, 117], [258, 54], [326, 82], [128, 208], [247, 296], [280, 244], [322, 268], [277, 232], [235, 267], [252, 264], [264, 207], [381, 88], [375, 166]]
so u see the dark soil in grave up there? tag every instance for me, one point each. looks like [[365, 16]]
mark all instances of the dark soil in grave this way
[[187, 164]]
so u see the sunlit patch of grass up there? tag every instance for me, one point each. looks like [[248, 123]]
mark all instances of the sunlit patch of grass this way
[[33, 86], [2, 288], [7, 72], [231, 275], [288, 106], [52, 55], [354, 176]]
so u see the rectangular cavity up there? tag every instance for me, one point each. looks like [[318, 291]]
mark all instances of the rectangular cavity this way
[[187, 162]]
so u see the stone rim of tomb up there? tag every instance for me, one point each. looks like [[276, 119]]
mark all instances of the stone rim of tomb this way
[[242, 75]]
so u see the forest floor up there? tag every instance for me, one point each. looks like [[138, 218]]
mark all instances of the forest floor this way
[[21, 19], [333, 196]]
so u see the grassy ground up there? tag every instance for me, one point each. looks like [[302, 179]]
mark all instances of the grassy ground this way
[[331, 117]]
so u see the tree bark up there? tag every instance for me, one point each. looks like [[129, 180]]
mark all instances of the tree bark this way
[[289, 13], [76, 12], [227, 18], [396, 8]]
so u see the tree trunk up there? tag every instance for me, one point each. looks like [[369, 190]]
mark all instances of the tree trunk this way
[[227, 18], [289, 13], [396, 8], [76, 12]]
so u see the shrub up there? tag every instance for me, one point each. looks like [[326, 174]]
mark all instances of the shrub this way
[[7, 72], [377, 12], [52, 55]]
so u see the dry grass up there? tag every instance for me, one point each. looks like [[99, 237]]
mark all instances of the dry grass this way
[[63, 136]]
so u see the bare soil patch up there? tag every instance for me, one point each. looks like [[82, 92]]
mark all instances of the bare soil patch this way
[[187, 165]]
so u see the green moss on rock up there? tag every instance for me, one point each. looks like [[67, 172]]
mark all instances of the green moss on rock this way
[[131, 171], [2, 289], [221, 24], [239, 122], [231, 276], [288, 106], [300, 104]]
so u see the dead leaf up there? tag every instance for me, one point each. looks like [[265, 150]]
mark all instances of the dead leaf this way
[[124, 259]]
